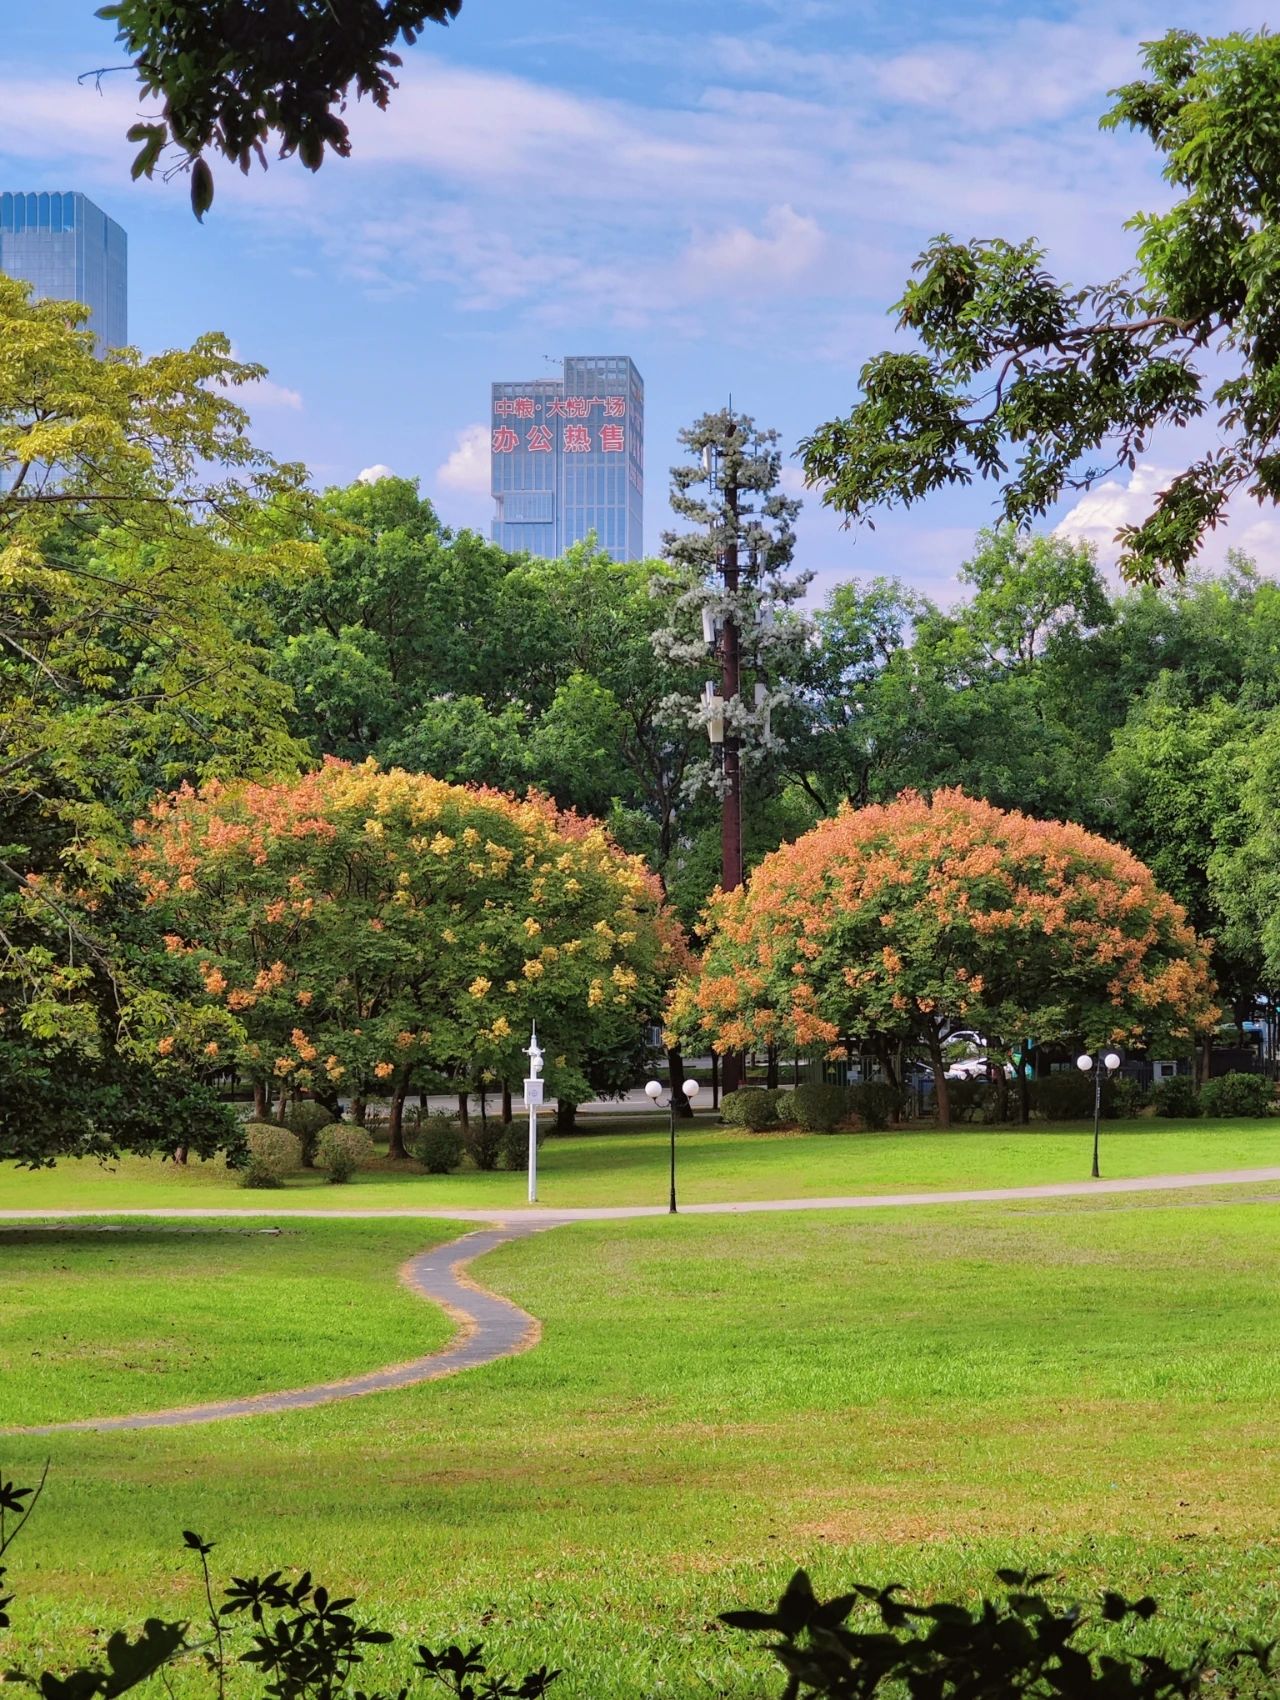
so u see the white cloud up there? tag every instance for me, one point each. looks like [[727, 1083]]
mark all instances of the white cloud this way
[[467, 468], [1100, 513], [372, 474], [789, 251], [262, 392]]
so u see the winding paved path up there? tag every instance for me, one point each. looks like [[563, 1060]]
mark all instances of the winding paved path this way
[[491, 1327]]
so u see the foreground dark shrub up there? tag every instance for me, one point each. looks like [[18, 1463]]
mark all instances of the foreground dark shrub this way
[[1177, 1096], [439, 1146], [753, 1107], [874, 1102], [815, 1107], [1237, 1095], [1023, 1646]]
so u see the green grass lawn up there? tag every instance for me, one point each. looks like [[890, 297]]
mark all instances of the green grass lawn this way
[[93, 1323], [716, 1164], [1087, 1385]]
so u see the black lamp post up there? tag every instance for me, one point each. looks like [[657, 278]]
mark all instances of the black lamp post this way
[[1100, 1068], [691, 1088]]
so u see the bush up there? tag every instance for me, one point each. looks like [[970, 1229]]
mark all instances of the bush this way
[[816, 1107], [439, 1146], [258, 1175], [342, 1150], [753, 1107], [1065, 1096], [513, 1149], [273, 1147], [1123, 1097], [874, 1102], [308, 1120], [1177, 1096], [972, 1100], [484, 1140], [1237, 1095]]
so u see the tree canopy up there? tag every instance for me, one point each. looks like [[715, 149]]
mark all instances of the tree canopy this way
[[904, 921], [137, 523], [1042, 387], [368, 929]]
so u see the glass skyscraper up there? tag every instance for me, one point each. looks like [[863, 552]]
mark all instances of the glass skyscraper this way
[[567, 459], [67, 249]]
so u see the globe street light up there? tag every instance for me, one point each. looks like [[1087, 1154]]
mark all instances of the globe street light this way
[[1098, 1066], [691, 1089]]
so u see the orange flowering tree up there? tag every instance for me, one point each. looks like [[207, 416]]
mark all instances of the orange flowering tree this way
[[901, 923], [372, 930]]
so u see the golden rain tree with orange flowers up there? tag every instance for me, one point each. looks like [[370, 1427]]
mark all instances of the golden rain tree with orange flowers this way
[[901, 923], [374, 930]]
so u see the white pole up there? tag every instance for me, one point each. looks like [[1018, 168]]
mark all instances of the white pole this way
[[533, 1153], [533, 1098]]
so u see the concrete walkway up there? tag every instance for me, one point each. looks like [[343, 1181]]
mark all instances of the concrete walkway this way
[[491, 1327], [547, 1217]]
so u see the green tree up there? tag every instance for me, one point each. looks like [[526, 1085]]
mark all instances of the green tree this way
[[1042, 386], [136, 516]]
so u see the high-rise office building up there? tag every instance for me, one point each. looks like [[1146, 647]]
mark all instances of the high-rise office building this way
[[567, 459], [67, 249]]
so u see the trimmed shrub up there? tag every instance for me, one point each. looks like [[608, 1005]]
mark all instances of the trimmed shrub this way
[[439, 1145], [1177, 1096], [816, 1107], [342, 1150], [484, 1139], [1123, 1097], [971, 1100], [308, 1120], [274, 1147], [753, 1107], [1237, 1095], [1064, 1096], [513, 1150], [258, 1175], [873, 1102]]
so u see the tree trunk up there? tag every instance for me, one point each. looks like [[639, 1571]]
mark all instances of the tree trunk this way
[[282, 1103], [506, 1104], [675, 1079], [941, 1094], [395, 1122], [358, 1107], [259, 1100], [715, 1080], [464, 1111], [1024, 1091], [566, 1116], [771, 1068], [180, 1156]]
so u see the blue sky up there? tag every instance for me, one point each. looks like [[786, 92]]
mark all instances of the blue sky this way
[[730, 191]]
